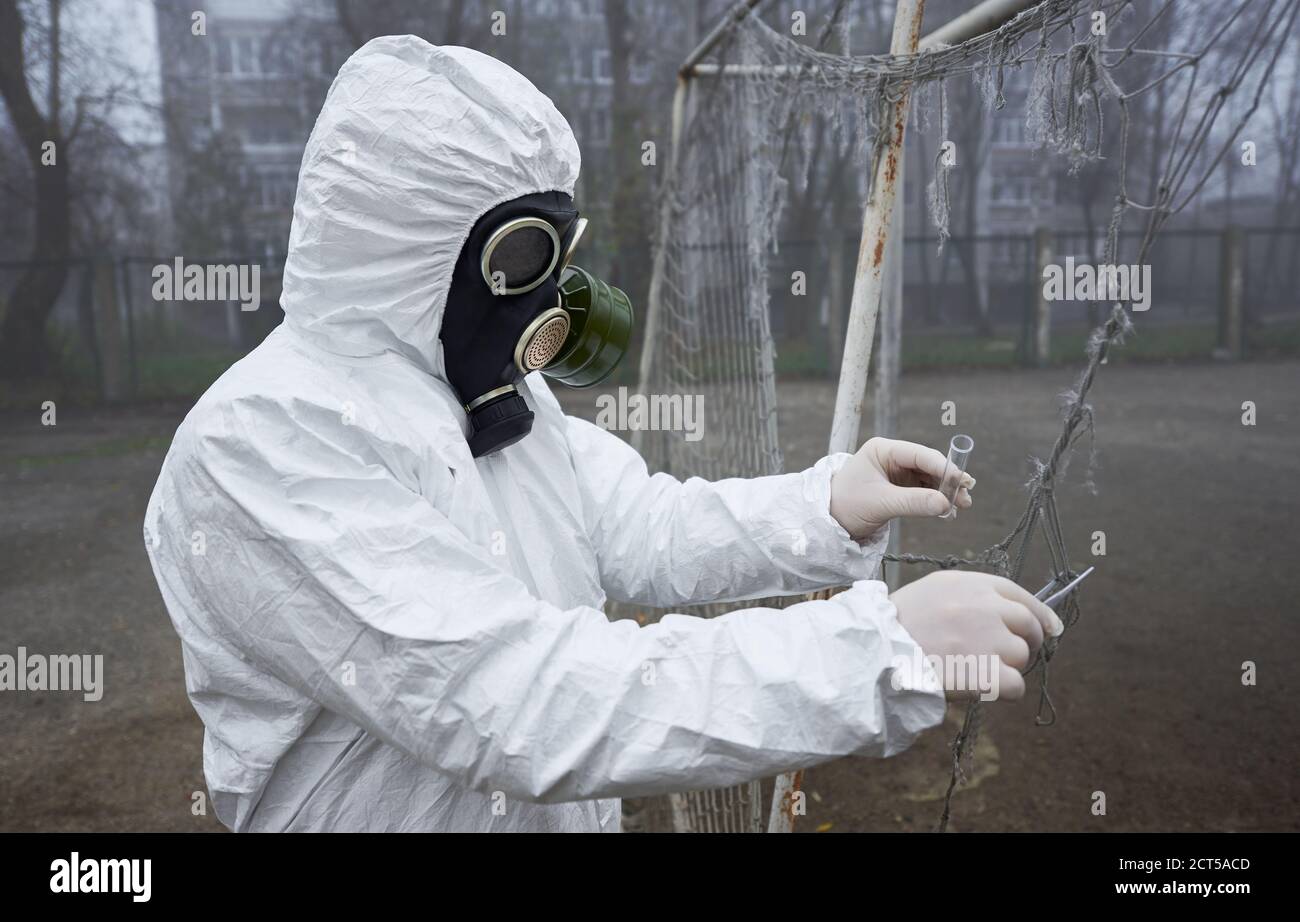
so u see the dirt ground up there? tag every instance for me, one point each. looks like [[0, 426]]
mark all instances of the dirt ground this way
[[1199, 576]]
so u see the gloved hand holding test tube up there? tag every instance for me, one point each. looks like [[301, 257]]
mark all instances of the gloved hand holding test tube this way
[[954, 473]]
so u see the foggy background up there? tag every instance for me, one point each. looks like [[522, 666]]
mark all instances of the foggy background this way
[[174, 144], [169, 144]]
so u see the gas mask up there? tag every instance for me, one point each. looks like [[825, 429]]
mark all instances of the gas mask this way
[[517, 305]]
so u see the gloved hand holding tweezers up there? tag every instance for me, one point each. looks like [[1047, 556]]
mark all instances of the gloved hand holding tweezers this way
[[1055, 592]]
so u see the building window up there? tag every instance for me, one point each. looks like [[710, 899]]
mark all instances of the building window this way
[[276, 57], [276, 188], [238, 55], [1006, 252], [246, 55], [599, 126], [600, 70], [263, 124], [641, 72], [1013, 190], [224, 63], [1008, 130], [329, 57]]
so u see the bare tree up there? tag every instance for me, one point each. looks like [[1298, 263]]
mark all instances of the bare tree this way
[[76, 181], [23, 349]]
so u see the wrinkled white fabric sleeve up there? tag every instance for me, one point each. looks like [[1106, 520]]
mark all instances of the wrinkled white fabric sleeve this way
[[664, 542], [390, 617]]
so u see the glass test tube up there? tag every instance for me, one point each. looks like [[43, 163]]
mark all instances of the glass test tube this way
[[954, 471]]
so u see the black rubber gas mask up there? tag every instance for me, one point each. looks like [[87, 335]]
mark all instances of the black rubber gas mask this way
[[516, 305]]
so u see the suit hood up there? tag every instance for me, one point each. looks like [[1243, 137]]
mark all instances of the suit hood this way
[[413, 144]]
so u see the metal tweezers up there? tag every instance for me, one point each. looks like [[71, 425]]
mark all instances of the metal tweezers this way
[[1051, 595]]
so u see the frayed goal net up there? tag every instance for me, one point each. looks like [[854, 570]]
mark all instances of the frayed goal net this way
[[762, 105]]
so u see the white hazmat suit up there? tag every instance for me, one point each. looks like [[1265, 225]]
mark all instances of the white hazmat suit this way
[[381, 632]]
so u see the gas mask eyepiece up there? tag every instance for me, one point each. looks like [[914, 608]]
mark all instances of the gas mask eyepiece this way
[[519, 255], [516, 305]]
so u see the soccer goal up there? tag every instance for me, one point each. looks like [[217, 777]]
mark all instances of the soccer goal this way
[[749, 104]]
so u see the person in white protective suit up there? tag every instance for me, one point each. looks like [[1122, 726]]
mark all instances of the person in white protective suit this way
[[387, 629]]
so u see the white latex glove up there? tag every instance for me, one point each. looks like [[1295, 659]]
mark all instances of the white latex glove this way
[[953, 614], [887, 479]]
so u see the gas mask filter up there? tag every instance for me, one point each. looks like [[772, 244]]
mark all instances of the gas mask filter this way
[[517, 305]]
